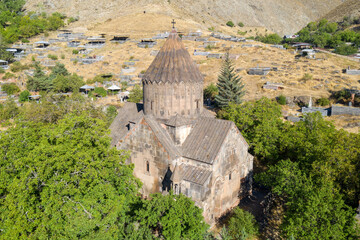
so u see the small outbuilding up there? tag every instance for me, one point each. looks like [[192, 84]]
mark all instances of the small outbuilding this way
[[86, 89], [42, 44], [114, 89], [4, 64]]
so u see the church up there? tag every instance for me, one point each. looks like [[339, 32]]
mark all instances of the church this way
[[176, 144]]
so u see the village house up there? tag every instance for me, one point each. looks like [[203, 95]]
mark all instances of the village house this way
[[176, 144]]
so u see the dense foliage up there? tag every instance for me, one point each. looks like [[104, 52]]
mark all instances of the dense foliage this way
[[136, 94], [10, 88], [59, 80], [230, 86], [323, 164], [210, 92], [14, 27], [330, 35], [269, 38], [242, 225], [62, 179]]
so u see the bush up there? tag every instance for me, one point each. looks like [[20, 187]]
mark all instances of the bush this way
[[24, 96], [211, 91], [62, 56], [2, 70], [136, 94], [10, 88], [281, 100], [75, 51], [100, 91], [346, 50], [53, 57], [230, 24], [240, 24], [242, 225], [323, 102], [17, 67], [271, 39], [8, 75], [306, 77]]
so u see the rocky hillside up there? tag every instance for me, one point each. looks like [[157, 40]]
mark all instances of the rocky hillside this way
[[350, 8], [281, 16]]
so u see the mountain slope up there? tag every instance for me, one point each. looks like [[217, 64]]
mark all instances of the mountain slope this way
[[348, 8], [281, 16]]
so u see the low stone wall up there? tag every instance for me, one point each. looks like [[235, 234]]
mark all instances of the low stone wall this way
[[340, 110]]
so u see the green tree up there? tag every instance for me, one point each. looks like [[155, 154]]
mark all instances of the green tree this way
[[261, 124], [59, 69], [211, 91], [231, 88], [39, 82], [230, 24], [271, 39], [8, 110], [136, 94], [313, 209], [242, 225], [67, 83], [346, 50], [24, 96], [63, 181], [172, 216], [10, 88]]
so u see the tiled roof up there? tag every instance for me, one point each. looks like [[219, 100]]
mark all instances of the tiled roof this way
[[173, 64], [177, 121], [131, 112], [163, 137], [205, 140], [195, 174]]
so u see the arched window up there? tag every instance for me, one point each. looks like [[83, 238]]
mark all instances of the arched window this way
[[147, 166], [176, 189]]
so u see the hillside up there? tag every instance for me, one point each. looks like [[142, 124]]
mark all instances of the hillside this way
[[281, 16], [349, 8]]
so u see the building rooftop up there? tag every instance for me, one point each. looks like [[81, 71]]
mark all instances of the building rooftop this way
[[173, 64]]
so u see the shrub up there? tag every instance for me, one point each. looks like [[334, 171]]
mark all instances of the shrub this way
[[10, 88], [346, 50], [211, 91], [306, 77], [2, 70], [17, 67], [281, 100], [75, 51], [8, 75], [242, 225], [100, 91], [211, 29], [240, 24], [24, 40], [62, 56], [270, 38], [323, 101], [242, 33], [230, 24], [24, 96], [53, 57]]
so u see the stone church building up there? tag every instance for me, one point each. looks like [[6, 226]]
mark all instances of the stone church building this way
[[178, 145]]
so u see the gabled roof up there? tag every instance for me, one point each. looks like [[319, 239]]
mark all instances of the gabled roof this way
[[195, 174], [131, 112], [178, 121], [173, 64], [163, 137], [205, 140]]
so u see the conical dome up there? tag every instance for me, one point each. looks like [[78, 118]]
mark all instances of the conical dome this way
[[173, 64]]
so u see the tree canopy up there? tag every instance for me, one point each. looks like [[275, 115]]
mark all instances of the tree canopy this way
[[230, 86]]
